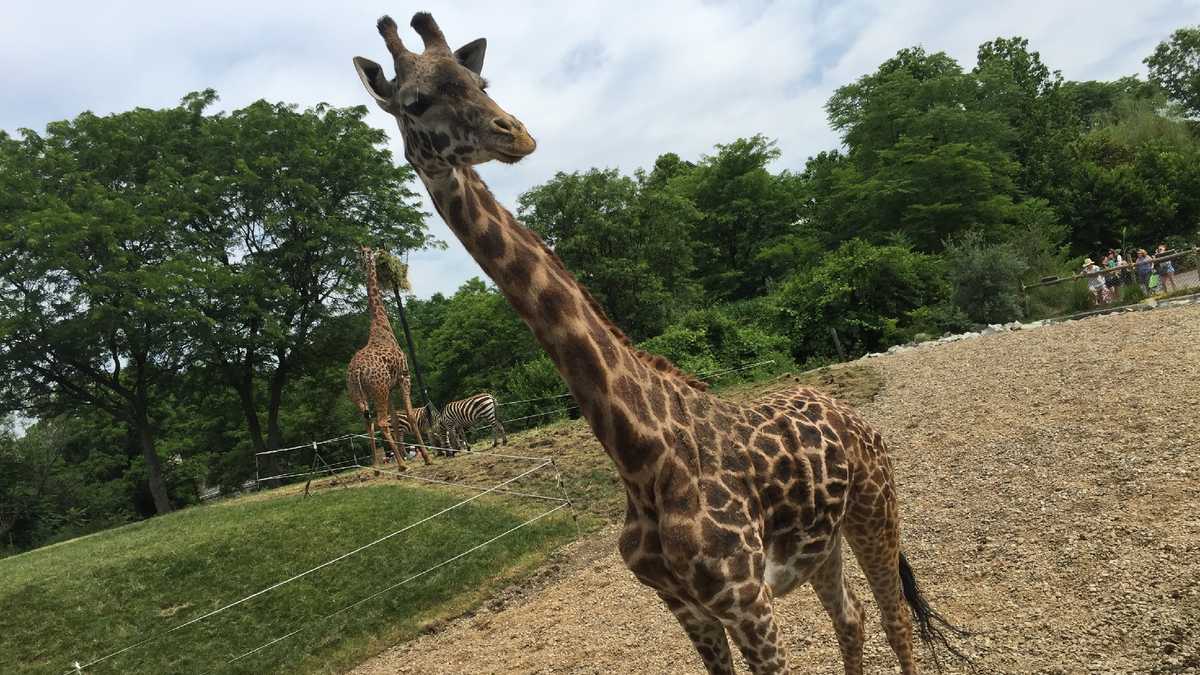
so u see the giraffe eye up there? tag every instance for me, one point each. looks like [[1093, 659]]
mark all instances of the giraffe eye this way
[[419, 106]]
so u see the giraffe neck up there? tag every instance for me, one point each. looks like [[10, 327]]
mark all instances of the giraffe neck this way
[[615, 385], [381, 328]]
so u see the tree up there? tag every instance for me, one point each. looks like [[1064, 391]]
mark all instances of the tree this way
[[925, 158], [1175, 66], [1092, 100], [479, 339], [1015, 83], [1138, 174], [985, 278], [745, 211], [299, 191], [95, 262], [628, 245]]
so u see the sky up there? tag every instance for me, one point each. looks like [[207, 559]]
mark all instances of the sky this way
[[599, 84]]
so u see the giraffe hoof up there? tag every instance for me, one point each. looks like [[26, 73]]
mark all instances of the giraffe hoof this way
[[401, 468]]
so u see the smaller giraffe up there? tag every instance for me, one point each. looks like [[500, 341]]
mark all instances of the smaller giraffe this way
[[376, 369]]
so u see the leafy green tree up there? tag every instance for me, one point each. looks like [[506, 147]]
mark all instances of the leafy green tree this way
[[628, 246], [1015, 83], [926, 158], [748, 216], [1092, 100], [1135, 181], [479, 339], [709, 340], [1175, 66], [95, 263]]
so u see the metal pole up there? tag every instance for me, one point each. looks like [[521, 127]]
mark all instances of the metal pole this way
[[837, 343], [412, 351]]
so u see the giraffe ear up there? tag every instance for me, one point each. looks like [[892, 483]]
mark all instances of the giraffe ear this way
[[374, 80], [470, 55]]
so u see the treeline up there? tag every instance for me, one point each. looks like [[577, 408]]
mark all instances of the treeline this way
[[179, 288]]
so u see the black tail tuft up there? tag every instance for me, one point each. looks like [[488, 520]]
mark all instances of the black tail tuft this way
[[932, 628]]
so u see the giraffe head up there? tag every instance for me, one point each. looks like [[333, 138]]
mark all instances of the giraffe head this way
[[439, 100], [366, 260]]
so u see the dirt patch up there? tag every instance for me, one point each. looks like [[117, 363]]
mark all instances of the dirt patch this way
[[1049, 485]]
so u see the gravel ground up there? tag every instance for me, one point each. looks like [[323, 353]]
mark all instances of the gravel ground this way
[[1049, 485]]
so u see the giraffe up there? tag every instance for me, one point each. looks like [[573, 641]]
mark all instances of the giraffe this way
[[729, 506], [378, 367]]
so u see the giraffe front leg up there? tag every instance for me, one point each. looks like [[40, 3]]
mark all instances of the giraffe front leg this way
[[707, 635], [754, 630]]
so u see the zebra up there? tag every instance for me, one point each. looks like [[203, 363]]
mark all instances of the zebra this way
[[422, 415], [459, 417]]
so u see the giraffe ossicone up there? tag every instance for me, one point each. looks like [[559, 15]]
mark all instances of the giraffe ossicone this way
[[730, 506]]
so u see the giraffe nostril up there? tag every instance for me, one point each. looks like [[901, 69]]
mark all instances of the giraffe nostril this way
[[503, 125]]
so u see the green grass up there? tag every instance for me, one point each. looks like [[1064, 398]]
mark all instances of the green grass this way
[[82, 599]]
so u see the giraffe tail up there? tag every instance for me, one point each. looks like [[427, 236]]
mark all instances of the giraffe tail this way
[[932, 628]]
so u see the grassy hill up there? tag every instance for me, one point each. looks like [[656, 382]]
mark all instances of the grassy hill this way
[[82, 599]]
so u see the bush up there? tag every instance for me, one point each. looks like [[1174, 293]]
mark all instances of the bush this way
[[867, 293], [934, 320], [709, 340], [537, 380], [985, 279]]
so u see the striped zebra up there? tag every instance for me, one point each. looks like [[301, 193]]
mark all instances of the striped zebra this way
[[459, 417], [422, 415]]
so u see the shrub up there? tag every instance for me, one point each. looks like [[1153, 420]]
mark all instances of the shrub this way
[[985, 279], [867, 293], [934, 320], [710, 340]]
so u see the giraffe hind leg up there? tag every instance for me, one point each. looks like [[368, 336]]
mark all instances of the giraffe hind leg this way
[[391, 430], [406, 392], [875, 541], [376, 453]]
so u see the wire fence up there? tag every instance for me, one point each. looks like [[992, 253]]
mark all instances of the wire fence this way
[[344, 456], [540, 464], [394, 586]]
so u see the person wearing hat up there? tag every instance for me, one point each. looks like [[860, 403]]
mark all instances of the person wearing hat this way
[[1095, 282]]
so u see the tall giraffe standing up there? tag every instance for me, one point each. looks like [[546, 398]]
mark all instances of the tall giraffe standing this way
[[729, 506], [378, 367]]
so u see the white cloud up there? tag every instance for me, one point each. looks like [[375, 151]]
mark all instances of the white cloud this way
[[602, 84]]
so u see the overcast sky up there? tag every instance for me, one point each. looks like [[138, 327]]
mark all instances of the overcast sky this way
[[605, 84]]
